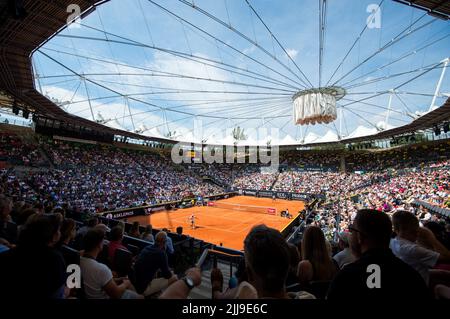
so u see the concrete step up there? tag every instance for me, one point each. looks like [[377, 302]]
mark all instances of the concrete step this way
[[204, 290], [45, 155]]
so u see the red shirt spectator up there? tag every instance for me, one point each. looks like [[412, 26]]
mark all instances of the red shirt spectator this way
[[116, 242]]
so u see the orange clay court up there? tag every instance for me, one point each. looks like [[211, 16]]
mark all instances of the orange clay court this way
[[224, 225]]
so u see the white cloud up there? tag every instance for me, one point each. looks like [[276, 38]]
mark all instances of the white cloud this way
[[115, 113], [249, 50], [167, 33], [292, 53]]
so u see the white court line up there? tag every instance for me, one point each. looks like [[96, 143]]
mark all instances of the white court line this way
[[208, 226], [230, 215]]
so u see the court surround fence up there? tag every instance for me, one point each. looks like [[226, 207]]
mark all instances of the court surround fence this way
[[244, 207], [281, 195], [191, 201], [445, 212], [149, 209]]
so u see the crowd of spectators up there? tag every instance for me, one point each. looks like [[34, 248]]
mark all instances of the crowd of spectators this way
[[222, 173], [18, 152], [414, 156], [318, 159], [394, 192], [254, 177], [368, 218], [315, 182], [413, 258], [101, 178]]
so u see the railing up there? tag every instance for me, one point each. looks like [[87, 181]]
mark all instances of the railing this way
[[299, 230], [278, 194], [186, 249], [445, 212], [16, 122], [219, 254], [148, 209], [288, 228]]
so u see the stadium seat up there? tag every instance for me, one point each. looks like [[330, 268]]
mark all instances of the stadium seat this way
[[136, 242], [319, 288], [133, 249], [293, 288], [103, 256], [122, 262], [71, 256]]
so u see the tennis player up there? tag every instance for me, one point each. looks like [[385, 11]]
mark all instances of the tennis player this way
[[192, 220]]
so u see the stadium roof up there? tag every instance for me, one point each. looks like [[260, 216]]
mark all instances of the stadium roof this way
[[56, 52], [438, 8], [424, 122], [19, 37]]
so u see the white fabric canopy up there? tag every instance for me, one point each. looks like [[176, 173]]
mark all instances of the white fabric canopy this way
[[316, 107]]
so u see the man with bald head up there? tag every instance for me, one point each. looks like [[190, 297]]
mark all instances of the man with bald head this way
[[152, 259]]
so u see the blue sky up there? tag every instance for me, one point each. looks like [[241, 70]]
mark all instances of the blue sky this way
[[168, 88]]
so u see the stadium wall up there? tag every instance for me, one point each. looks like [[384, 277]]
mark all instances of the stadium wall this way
[[433, 208], [149, 209], [281, 195]]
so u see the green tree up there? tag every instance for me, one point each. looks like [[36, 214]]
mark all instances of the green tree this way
[[238, 134], [170, 134]]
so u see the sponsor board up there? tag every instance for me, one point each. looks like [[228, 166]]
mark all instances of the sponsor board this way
[[220, 196], [281, 195], [315, 169], [186, 204], [150, 210], [120, 214], [147, 210], [300, 196], [265, 194], [249, 193]]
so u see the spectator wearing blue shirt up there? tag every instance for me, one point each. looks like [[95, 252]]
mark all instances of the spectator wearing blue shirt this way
[[4, 245], [151, 260], [169, 243]]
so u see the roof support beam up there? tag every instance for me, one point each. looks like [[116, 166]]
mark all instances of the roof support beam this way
[[439, 84]]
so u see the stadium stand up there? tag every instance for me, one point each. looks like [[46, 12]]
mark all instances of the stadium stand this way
[[65, 183], [418, 185]]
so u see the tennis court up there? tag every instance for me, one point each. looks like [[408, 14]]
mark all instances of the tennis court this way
[[228, 225]]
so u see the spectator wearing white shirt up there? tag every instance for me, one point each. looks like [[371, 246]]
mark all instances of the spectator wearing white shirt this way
[[345, 256], [404, 246], [427, 216], [98, 280]]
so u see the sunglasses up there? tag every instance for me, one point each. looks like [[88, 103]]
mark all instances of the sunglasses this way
[[353, 229]]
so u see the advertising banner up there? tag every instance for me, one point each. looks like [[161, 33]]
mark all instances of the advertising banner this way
[[265, 193], [299, 196], [282, 195], [249, 192]]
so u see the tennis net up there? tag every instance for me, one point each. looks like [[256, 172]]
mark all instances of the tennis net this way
[[243, 207]]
